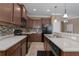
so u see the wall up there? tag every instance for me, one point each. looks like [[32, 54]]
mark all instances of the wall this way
[[75, 23], [57, 26]]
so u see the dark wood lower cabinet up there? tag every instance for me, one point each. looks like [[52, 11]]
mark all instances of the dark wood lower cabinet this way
[[2, 53], [35, 37], [55, 50], [69, 53], [24, 47], [19, 49], [17, 52], [14, 50], [29, 42], [50, 46], [47, 47]]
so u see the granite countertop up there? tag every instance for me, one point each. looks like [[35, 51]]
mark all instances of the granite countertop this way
[[32, 32], [65, 44], [9, 41]]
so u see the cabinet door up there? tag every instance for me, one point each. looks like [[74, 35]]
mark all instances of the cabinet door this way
[[14, 50], [24, 12], [47, 47], [30, 23], [6, 12], [17, 14], [45, 43], [37, 22], [2, 53], [24, 49], [36, 38], [29, 40], [17, 52], [46, 21]]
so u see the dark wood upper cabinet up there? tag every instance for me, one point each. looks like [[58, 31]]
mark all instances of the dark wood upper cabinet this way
[[24, 17], [24, 12], [12, 13], [6, 12], [37, 22], [33, 22], [46, 20], [30, 23], [17, 15]]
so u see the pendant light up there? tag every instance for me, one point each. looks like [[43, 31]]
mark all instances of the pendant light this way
[[65, 16]]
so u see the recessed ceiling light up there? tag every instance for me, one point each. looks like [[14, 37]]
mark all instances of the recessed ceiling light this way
[[34, 9], [48, 10]]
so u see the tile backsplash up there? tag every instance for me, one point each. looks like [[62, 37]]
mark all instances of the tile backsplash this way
[[6, 30]]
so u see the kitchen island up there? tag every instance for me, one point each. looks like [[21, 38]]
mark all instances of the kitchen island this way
[[62, 46]]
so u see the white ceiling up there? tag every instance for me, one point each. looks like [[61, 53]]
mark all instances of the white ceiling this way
[[72, 9]]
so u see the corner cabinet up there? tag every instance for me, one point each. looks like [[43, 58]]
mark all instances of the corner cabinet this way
[[6, 12]]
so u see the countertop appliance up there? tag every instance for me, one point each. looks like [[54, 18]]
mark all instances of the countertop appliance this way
[[47, 29], [17, 32]]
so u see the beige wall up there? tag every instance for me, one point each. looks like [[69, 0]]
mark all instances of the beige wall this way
[[60, 18], [75, 23]]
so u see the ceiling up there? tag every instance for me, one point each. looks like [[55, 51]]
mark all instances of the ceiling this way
[[48, 9]]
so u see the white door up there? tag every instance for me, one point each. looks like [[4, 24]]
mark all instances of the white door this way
[[57, 26]]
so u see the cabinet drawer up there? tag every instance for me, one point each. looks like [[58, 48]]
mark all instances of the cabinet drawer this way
[[13, 48]]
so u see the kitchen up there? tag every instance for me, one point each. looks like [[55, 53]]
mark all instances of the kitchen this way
[[39, 29]]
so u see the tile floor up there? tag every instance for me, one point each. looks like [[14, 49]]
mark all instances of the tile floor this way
[[35, 46]]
